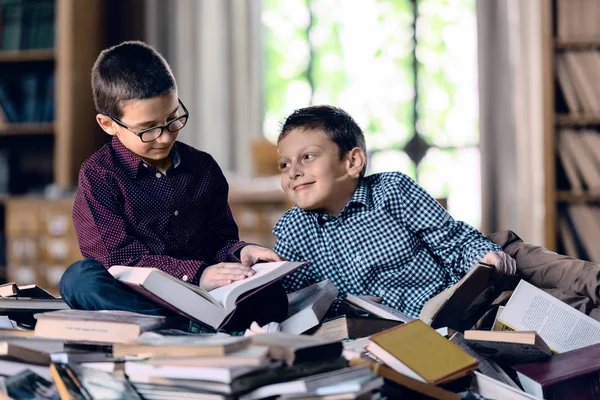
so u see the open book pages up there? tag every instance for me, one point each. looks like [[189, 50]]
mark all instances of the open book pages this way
[[228, 295], [207, 307], [378, 309], [561, 326]]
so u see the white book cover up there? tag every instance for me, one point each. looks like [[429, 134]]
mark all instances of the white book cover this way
[[378, 309], [308, 306]]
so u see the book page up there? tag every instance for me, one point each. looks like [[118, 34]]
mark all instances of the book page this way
[[561, 326], [265, 272]]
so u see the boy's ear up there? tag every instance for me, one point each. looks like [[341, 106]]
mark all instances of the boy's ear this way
[[356, 161], [107, 124]]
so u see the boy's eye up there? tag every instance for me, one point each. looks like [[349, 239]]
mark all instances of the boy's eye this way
[[284, 165], [309, 156]]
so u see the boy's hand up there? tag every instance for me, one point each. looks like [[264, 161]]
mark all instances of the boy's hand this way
[[251, 254], [502, 262], [223, 274]]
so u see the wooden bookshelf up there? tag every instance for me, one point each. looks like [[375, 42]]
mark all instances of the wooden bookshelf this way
[[577, 120], [27, 129], [577, 43], [27, 55], [565, 196], [564, 100]]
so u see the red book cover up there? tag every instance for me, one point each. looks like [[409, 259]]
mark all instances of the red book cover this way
[[571, 375]]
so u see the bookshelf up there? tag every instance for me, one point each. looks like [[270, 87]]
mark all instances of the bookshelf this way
[[571, 59], [47, 49]]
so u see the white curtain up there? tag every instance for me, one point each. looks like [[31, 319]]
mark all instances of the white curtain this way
[[214, 49], [511, 116]]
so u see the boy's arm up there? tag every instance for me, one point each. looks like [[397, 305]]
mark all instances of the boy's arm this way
[[104, 235], [225, 243], [458, 245]]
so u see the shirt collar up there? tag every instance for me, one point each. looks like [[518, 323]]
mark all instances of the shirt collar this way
[[134, 163], [360, 197]]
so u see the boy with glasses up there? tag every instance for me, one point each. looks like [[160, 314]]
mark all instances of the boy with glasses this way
[[146, 200]]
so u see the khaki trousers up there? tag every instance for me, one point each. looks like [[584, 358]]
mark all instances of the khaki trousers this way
[[575, 282]]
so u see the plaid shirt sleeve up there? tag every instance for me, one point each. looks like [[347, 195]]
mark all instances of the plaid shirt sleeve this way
[[458, 245], [299, 279]]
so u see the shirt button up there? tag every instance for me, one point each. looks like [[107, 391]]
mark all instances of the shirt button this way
[[184, 278], [145, 165], [176, 213], [158, 174], [381, 292]]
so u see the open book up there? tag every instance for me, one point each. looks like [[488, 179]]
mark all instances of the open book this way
[[561, 326], [212, 308], [459, 306]]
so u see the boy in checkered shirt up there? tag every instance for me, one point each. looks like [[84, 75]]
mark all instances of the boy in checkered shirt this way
[[380, 236]]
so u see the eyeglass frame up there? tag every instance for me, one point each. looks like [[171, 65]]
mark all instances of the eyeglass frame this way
[[139, 134]]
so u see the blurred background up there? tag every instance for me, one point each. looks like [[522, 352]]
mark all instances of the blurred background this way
[[461, 95]]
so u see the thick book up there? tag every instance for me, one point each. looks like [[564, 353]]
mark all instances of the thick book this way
[[570, 375], [154, 345], [297, 349], [418, 351], [252, 355], [30, 350], [95, 326], [460, 306], [11, 305], [135, 370], [561, 326], [307, 306], [244, 383], [352, 327], [378, 309], [509, 347], [212, 308], [310, 383]]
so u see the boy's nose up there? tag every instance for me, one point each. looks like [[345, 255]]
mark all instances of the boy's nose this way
[[295, 172]]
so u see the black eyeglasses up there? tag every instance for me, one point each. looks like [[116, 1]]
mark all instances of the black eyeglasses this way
[[151, 134]]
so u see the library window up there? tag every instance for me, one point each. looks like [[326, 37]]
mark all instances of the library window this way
[[406, 70]]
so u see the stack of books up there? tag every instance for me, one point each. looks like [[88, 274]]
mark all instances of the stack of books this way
[[536, 348]]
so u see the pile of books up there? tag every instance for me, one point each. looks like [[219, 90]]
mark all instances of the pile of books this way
[[537, 346]]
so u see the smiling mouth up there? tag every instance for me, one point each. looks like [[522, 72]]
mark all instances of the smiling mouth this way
[[302, 186]]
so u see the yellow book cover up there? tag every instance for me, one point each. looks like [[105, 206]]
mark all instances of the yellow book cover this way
[[417, 346]]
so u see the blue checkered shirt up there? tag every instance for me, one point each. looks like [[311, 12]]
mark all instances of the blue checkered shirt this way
[[392, 240]]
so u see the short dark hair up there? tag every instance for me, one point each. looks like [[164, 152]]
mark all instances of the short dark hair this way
[[334, 122], [128, 71]]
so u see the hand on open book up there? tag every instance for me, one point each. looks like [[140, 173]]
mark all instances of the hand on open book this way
[[223, 274], [502, 262], [251, 254]]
